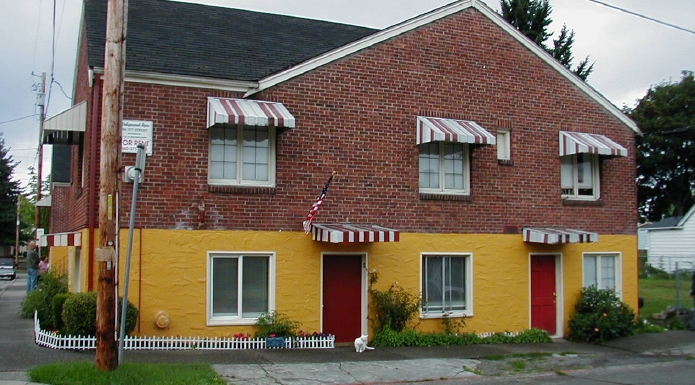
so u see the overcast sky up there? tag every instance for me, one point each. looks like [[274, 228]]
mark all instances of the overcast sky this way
[[631, 53]]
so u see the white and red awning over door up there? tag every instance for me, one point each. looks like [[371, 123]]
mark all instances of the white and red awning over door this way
[[352, 233], [582, 143], [554, 236], [248, 112], [431, 129], [61, 239]]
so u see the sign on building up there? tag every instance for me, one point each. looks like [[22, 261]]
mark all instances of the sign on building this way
[[135, 132]]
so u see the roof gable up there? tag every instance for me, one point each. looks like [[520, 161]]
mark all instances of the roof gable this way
[[179, 38]]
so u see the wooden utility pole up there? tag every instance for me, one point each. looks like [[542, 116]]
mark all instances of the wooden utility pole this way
[[42, 116], [111, 118]]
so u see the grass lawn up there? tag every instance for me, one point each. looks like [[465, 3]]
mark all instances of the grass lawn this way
[[85, 373], [659, 293]]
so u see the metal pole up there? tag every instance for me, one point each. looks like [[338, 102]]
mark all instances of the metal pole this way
[[139, 161], [678, 289]]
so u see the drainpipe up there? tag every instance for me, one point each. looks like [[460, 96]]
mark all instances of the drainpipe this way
[[91, 189]]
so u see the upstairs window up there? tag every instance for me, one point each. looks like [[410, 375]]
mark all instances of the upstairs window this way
[[444, 168], [242, 155], [580, 176]]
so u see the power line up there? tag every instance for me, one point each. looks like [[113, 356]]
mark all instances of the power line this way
[[14, 120], [643, 16]]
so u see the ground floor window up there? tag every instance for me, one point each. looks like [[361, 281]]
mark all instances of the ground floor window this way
[[602, 271], [446, 285], [239, 287]]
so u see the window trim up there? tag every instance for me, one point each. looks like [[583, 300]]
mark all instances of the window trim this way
[[468, 264], [618, 269], [595, 170], [504, 145], [272, 151], [466, 171], [236, 320]]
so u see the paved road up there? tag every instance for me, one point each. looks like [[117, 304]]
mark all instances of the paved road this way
[[665, 358]]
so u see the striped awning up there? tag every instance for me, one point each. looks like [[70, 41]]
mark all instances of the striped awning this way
[[451, 130], [352, 233], [248, 112], [554, 236], [579, 142], [61, 239], [66, 127]]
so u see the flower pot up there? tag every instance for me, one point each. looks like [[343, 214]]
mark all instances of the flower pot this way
[[275, 342]]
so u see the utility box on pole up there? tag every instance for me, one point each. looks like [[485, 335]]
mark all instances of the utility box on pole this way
[[112, 115]]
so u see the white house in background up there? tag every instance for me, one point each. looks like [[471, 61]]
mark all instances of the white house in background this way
[[671, 241]]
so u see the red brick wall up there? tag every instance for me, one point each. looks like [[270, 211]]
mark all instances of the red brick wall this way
[[357, 116]]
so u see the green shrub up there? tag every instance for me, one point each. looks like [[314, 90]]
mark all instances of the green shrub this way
[[600, 316], [409, 337], [277, 324], [80, 315], [57, 304], [41, 299], [393, 308]]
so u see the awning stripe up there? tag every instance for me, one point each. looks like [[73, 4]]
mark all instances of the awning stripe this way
[[554, 236], [61, 239], [352, 233], [248, 112], [431, 129], [580, 142]]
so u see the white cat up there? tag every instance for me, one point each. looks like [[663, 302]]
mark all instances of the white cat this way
[[361, 344]]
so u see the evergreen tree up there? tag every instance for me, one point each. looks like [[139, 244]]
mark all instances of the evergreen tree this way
[[532, 18], [666, 151], [9, 193]]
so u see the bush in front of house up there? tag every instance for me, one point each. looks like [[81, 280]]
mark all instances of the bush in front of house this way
[[600, 316], [41, 299], [276, 324], [393, 308], [57, 304], [410, 337], [80, 315]]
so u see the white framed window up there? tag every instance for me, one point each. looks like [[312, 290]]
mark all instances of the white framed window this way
[[240, 287], [504, 147], [242, 155], [446, 285], [603, 271], [444, 168], [579, 175]]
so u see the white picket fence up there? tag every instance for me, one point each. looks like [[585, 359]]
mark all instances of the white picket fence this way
[[57, 341]]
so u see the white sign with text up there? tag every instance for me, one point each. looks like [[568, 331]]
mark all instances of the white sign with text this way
[[135, 132]]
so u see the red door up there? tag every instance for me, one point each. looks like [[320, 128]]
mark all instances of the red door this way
[[342, 296], [543, 294]]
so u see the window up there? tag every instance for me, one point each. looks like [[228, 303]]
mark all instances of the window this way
[[446, 285], [504, 151], [444, 168], [240, 287], [579, 176], [242, 155], [602, 271]]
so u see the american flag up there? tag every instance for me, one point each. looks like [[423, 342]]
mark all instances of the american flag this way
[[317, 205]]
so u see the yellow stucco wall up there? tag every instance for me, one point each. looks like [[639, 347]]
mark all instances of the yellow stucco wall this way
[[169, 267]]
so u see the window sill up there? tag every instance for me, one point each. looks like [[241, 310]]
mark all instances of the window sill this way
[[218, 322], [445, 197], [458, 314], [241, 189], [582, 202]]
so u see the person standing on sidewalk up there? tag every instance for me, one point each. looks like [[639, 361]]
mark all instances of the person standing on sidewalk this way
[[32, 266]]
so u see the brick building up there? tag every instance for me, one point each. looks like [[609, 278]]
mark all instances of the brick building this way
[[472, 169]]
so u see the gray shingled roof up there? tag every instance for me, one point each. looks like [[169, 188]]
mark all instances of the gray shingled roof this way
[[223, 43], [666, 222]]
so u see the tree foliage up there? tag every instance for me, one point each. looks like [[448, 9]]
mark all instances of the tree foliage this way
[[9, 192], [666, 151], [532, 18]]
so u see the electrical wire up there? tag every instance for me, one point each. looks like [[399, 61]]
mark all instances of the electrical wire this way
[[14, 120], [643, 16]]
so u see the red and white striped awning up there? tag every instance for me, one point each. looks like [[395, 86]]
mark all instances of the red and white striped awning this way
[[351, 233], [451, 130], [61, 239], [248, 112], [580, 142], [554, 236]]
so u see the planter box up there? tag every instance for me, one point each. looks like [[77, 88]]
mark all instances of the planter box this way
[[274, 342]]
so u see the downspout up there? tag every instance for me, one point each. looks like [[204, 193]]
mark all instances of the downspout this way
[[140, 279], [91, 198]]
